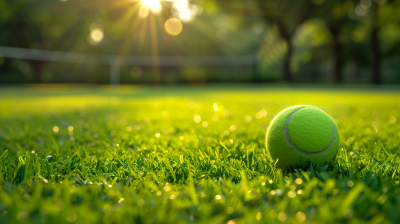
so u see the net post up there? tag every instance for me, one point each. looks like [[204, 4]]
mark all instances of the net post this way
[[255, 77], [114, 71]]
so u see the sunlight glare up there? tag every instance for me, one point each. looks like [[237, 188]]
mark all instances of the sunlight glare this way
[[181, 4], [153, 5], [144, 12], [184, 11]]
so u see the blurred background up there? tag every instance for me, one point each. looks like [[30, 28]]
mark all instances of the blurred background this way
[[200, 41]]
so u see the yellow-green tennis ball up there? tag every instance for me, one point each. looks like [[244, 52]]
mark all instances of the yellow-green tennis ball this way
[[301, 134]]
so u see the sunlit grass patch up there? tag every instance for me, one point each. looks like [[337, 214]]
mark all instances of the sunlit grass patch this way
[[176, 155]]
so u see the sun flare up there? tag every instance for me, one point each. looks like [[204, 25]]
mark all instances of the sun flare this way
[[153, 5]]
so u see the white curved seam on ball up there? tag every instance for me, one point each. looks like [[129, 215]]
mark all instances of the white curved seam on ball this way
[[293, 146]]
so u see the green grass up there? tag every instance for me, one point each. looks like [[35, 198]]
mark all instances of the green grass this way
[[181, 155]]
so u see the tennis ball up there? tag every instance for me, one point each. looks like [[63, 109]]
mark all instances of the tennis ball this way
[[301, 134]]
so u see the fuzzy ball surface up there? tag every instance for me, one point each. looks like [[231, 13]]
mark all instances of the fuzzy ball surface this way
[[301, 134]]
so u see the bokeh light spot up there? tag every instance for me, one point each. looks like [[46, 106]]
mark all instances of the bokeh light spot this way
[[282, 216], [259, 216], [72, 217], [214, 118], [298, 181], [301, 216], [173, 26], [97, 35], [197, 118], [215, 107]]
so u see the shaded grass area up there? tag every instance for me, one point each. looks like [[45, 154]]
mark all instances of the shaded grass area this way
[[177, 155]]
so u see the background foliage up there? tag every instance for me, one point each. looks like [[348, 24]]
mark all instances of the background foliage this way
[[306, 41]]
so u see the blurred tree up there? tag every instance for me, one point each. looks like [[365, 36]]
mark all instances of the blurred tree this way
[[375, 48], [390, 29], [26, 24], [287, 16], [20, 26], [363, 34], [335, 14], [381, 15]]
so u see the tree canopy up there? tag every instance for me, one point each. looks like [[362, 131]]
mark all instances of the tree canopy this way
[[295, 41]]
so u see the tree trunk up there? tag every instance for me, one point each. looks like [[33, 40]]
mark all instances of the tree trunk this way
[[287, 74], [376, 52], [376, 57], [337, 54]]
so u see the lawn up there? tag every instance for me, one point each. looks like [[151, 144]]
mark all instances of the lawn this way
[[81, 154]]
